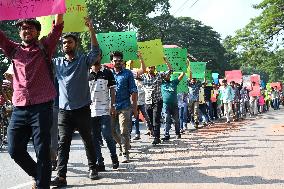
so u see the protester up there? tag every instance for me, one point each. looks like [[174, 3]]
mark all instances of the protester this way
[[152, 81], [32, 97], [74, 102], [253, 101], [227, 99], [193, 97], [102, 88], [125, 87], [170, 104]]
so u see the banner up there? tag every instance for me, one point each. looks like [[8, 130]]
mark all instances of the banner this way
[[76, 11], [198, 69], [177, 58], [182, 86], [152, 53], [234, 75], [125, 42], [13, 10]]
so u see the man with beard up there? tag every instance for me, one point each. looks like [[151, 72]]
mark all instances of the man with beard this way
[[125, 87], [32, 97], [74, 102]]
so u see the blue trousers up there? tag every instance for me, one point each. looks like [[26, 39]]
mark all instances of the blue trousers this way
[[32, 121]]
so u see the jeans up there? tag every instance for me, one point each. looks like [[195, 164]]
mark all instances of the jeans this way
[[182, 117], [215, 110], [68, 120], [35, 121], [122, 120], [142, 109], [154, 111], [209, 110], [203, 110], [171, 113], [102, 124], [54, 134]]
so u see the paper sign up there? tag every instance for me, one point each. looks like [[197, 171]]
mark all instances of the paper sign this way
[[268, 87], [177, 58], [125, 42], [234, 75], [182, 86], [18, 9], [255, 91], [277, 84], [255, 78], [208, 76], [215, 77], [198, 69], [246, 81], [76, 11], [152, 53]]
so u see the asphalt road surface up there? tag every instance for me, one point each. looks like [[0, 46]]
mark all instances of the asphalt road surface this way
[[247, 154]]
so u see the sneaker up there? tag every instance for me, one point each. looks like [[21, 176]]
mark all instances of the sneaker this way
[[93, 174], [228, 122], [137, 137], [101, 168], [178, 136], [120, 150], [182, 131], [156, 141], [115, 162], [34, 184], [58, 181], [196, 125], [166, 138], [125, 158], [53, 165]]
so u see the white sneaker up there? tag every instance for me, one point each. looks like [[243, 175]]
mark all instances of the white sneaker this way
[[125, 158]]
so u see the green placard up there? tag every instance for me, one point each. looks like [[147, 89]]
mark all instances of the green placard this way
[[208, 76], [125, 42], [182, 86], [177, 58], [198, 69], [152, 53], [75, 13]]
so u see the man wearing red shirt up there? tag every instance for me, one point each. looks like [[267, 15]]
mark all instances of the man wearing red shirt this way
[[33, 94]]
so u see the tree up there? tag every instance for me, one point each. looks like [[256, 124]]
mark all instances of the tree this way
[[200, 40]]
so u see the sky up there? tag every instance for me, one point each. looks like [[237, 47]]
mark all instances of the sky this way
[[224, 16]]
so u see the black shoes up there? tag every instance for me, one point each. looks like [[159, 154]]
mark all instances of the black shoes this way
[[156, 141], [58, 181], [115, 162], [166, 138], [93, 174], [53, 165], [101, 168], [178, 136]]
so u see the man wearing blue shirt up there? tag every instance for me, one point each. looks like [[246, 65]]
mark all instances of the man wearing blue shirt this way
[[125, 87], [74, 102]]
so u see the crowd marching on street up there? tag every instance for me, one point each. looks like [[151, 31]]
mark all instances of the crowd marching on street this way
[[55, 96]]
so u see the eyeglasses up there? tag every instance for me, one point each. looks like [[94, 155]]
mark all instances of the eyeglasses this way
[[22, 28], [118, 60]]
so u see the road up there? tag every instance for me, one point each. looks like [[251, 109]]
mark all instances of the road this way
[[246, 155]]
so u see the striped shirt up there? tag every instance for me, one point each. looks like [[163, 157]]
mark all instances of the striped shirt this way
[[100, 83]]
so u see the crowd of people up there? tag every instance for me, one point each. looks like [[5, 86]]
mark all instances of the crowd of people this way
[[53, 97]]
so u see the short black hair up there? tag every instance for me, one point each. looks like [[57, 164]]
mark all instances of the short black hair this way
[[116, 53], [224, 81], [72, 35], [30, 21]]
